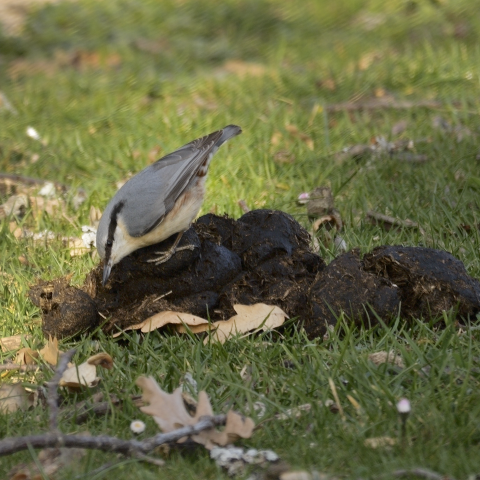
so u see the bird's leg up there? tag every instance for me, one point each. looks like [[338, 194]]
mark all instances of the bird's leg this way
[[165, 256]]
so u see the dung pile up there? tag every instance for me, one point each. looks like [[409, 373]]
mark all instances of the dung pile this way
[[264, 256]]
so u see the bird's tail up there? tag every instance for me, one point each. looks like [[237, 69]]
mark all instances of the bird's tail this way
[[228, 132]]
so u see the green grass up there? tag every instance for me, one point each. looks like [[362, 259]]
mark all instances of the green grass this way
[[153, 74]]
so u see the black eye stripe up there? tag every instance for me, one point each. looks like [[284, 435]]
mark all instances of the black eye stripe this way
[[111, 229]]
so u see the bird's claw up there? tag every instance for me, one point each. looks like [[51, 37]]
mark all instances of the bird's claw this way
[[166, 256]]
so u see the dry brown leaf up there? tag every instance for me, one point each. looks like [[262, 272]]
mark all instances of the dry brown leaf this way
[[249, 317], [76, 245], [380, 442], [12, 343], [296, 475], [399, 127], [15, 230], [244, 69], [94, 216], [161, 319], [284, 156], [50, 351], [387, 357], [85, 374], [15, 206], [14, 397], [101, 359], [170, 413], [51, 206], [26, 356], [49, 462], [295, 132], [204, 327], [329, 221], [276, 139]]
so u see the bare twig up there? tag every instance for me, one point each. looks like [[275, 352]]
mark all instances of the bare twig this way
[[21, 179], [83, 410], [105, 443], [421, 472], [376, 103], [16, 366], [153, 461], [336, 397], [392, 221], [52, 399], [243, 205]]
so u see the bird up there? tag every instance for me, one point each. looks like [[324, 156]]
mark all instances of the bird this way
[[159, 201]]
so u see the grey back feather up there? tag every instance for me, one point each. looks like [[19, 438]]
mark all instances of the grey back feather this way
[[151, 194]]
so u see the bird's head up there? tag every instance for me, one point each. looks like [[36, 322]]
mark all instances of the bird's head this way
[[112, 239]]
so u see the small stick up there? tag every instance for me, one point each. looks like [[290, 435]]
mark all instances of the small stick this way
[[380, 217], [52, 398], [421, 472], [105, 443], [374, 104], [243, 205], [16, 366], [336, 397]]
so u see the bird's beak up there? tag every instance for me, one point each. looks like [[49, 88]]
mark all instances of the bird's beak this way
[[107, 268]]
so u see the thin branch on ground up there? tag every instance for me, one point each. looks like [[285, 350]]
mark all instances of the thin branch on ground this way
[[56, 439], [378, 103], [9, 178], [15, 366], [52, 398], [105, 443], [421, 472]]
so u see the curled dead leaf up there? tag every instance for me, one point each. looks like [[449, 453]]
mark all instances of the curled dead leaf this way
[[101, 359], [85, 374], [51, 206], [295, 132], [26, 356], [48, 462], [244, 69], [329, 221], [387, 357], [76, 245], [15, 206], [380, 442]]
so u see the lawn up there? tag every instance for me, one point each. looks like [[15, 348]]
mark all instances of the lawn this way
[[111, 86]]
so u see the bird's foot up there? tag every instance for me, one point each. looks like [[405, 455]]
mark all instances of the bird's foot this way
[[166, 256]]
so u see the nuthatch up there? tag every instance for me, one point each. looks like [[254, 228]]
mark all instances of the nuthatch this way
[[161, 200]]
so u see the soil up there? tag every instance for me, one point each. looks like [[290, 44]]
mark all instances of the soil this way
[[265, 256]]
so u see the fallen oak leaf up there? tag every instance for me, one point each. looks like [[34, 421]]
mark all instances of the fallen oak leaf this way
[[295, 132], [48, 462], [236, 427], [249, 317], [170, 413], [379, 358], [26, 356], [85, 374], [12, 343], [50, 351], [168, 317], [51, 206], [14, 397], [76, 245], [380, 442]]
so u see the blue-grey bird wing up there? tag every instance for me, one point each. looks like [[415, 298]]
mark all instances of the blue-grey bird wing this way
[[151, 194]]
